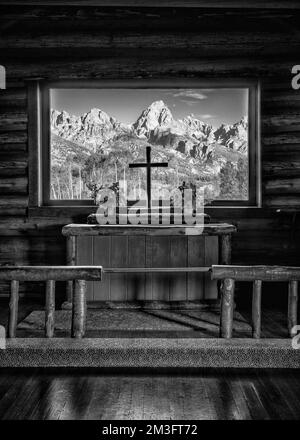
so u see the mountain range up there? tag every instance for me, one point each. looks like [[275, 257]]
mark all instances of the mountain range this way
[[156, 124], [195, 150]]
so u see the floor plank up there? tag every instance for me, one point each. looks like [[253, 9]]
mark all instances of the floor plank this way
[[204, 395]]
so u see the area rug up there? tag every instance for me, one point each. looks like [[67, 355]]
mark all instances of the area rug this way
[[136, 323]]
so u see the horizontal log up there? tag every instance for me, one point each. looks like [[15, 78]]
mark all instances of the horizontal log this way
[[12, 127], [155, 52], [15, 117], [278, 93], [13, 147], [269, 86], [7, 211], [208, 229], [13, 202], [128, 17], [95, 43], [10, 171], [154, 269], [281, 155], [252, 225], [282, 138], [252, 273], [13, 155], [281, 122], [281, 168], [92, 19], [281, 115], [275, 245], [45, 273], [15, 163], [13, 98], [280, 106], [281, 186], [13, 185], [216, 4], [139, 67], [287, 200], [13, 137], [100, 38], [283, 129], [221, 214]]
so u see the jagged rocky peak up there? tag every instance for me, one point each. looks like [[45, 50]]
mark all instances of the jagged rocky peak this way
[[59, 118], [64, 124], [97, 116], [199, 128], [234, 136], [193, 122], [156, 115], [244, 121], [189, 136]]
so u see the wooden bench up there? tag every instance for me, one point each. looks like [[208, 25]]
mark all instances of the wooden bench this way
[[255, 274], [51, 274]]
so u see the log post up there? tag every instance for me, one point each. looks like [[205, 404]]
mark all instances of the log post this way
[[13, 308], [71, 261], [225, 249], [256, 309], [227, 308], [79, 309], [292, 307], [50, 308], [224, 255]]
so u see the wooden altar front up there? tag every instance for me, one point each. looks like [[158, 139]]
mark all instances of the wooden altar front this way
[[150, 262]]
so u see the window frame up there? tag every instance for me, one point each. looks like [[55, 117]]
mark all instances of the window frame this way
[[39, 134]]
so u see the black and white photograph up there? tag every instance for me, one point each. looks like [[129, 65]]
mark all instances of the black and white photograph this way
[[149, 216]]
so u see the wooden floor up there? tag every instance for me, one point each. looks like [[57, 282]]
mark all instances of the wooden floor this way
[[212, 395], [274, 323]]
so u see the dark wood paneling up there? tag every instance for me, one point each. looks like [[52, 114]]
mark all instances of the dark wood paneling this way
[[101, 254], [131, 251], [96, 42], [218, 4], [85, 258], [118, 258], [136, 283]]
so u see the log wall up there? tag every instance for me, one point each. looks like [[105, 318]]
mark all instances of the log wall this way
[[96, 42]]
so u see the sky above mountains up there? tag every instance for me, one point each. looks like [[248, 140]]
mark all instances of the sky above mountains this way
[[214, 106]]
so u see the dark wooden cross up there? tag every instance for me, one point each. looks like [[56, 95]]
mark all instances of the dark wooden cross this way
[[148, 165]]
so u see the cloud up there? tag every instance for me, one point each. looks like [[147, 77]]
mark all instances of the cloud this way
[[206, 116], [190, 94]]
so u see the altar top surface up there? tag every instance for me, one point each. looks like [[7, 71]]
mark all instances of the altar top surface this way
[[207, 229]]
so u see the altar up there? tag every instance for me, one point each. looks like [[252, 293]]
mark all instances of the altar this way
[[150, 262]]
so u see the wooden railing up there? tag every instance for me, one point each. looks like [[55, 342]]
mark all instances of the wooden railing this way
[[80, 274], [51, 274], [256, 274]]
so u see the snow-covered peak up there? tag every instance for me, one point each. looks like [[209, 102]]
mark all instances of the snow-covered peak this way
[[62, 123], [234, 136], [156, 115], [97, 116]]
